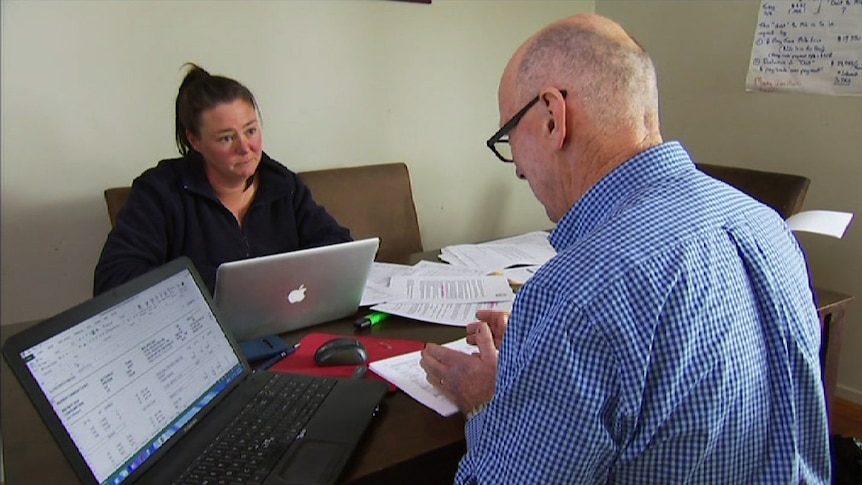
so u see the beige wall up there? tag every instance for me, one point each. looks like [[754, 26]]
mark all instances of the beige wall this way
[[701, 50], [87, 103], [87, 92]]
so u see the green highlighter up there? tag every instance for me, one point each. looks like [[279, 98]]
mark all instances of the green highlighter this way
[[370, 319]]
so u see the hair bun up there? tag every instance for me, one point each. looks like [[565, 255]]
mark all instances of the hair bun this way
[[194, 73]]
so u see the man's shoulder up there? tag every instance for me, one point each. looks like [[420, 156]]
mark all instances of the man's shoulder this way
[[642, 235]]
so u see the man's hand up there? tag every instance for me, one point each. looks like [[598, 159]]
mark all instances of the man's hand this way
[[468, 379], [497, 321]]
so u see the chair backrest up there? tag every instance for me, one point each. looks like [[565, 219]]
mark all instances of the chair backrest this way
[[783, 192], [372, 200], [115, 199]]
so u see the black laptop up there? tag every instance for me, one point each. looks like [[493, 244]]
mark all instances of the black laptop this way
[[143, 385]]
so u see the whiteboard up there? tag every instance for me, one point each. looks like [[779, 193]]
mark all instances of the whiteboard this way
[[807, 46]]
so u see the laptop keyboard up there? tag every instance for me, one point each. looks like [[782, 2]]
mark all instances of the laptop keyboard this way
[[247, 450]]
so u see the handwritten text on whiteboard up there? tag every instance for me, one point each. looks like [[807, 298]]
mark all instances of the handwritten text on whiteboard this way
[[809, 46]]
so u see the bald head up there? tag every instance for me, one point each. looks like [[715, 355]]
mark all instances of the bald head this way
[[600, 26], [564, 144], [596, 61]]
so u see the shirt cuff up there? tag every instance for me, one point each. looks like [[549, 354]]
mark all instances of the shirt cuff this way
[[476, 410]]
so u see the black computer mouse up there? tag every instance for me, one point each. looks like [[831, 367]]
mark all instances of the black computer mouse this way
[[341, 351]]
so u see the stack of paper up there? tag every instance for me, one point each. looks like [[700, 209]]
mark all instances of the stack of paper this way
[[377, 286], [450, 300], [531, 249], [456, 314], [435, 292], [479, 277]]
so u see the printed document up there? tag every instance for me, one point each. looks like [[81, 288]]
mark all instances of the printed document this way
[[527, 249], [439, 289], [377, 287], [424, 269], [405, 372], [455, 314]]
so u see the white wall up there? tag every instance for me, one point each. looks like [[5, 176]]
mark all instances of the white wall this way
[[87, 103], [701, 50]]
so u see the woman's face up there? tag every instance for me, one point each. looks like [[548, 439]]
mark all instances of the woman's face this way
[[230, 141]]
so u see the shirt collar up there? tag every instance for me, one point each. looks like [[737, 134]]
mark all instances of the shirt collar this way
[[612, 192]]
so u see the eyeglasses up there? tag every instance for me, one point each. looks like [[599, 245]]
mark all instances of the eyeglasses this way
[[499, 142]]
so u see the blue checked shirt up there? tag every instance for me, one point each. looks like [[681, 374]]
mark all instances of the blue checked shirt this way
[[673, 339]]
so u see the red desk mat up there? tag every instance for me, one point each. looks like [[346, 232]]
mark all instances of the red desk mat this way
[[302, 361]]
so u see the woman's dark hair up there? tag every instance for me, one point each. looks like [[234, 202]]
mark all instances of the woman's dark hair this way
[[199, 92]]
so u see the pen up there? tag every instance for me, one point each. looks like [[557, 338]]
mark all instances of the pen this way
[[370, 319], [271, 362]]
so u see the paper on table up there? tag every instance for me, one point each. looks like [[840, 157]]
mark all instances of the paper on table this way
[[533, 239], [521, 274], [375, 294], [429, 268], [405, 372], [829, 223], [377, 286], [470, 289], [381, 272], [455, 314], [494, 257], [531, 248]]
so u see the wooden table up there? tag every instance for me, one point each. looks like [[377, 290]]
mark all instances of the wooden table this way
[[408, 443]]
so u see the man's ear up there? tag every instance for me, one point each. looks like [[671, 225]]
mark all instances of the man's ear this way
[[555, 120]]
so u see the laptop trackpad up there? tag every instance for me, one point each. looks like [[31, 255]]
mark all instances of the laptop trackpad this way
[[313, 462]]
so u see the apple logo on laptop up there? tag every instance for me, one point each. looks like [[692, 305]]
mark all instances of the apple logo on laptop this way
[[297, 295]]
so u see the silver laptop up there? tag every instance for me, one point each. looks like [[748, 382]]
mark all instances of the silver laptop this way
[[275, 294]]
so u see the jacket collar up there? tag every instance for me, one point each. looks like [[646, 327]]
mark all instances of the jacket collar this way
[[273, 179]]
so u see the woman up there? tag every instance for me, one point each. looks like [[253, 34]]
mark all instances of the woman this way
[[223, 200]]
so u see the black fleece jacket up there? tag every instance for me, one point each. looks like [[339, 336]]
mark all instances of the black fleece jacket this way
[[173, 211]]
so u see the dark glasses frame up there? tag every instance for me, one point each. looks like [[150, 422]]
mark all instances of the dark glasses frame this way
[[502, 135]]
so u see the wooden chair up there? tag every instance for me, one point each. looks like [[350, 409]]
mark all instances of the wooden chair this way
[[373, 200], [783, 192], [115, 199]]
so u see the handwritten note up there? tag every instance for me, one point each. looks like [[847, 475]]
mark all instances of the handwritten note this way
[[807, 46]]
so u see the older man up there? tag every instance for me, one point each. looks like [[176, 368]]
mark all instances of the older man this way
[[673, 339]]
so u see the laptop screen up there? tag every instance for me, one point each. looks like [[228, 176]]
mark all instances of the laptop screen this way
[[127, 379]]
